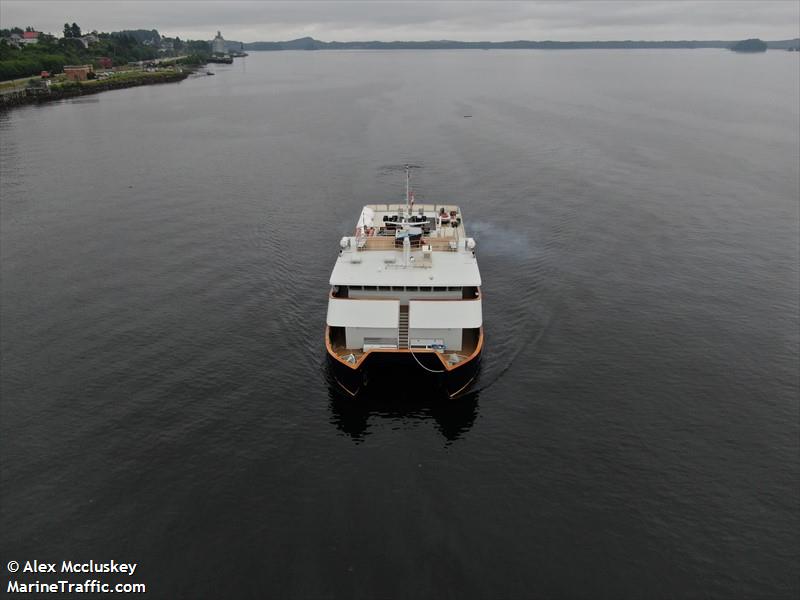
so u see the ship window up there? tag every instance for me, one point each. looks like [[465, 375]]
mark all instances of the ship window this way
[[439, 288], [398, 288], [453, 288], [355, 287], [369, 288], [384, 288], [412, 288]]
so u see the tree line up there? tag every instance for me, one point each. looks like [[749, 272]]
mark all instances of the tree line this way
[[51, 53], [72, 31]]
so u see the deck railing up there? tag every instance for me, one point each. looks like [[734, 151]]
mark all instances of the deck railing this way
[[380, 242]]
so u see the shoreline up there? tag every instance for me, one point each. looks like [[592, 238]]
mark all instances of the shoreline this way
[[73, 89]]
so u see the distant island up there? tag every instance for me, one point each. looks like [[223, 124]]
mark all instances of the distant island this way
[[308, 43], [751, 45]]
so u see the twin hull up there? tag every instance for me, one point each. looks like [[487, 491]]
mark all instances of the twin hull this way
[[427, 371], [405, 303]]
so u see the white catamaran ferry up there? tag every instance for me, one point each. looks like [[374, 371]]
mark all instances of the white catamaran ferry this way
[[405, 293]]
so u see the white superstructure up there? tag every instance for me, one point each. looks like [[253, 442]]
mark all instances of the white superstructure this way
[[407, 280], [218, 44]]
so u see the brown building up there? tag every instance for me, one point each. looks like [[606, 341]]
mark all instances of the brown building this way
[[77, 72]]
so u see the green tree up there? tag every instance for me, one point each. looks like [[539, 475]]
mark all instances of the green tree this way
[[76, 31], [67, 30], [199, 47]]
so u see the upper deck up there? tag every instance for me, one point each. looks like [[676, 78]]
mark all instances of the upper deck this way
[[440, 224], [390, 247]]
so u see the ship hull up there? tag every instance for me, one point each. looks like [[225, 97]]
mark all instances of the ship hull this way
[[420, 374]]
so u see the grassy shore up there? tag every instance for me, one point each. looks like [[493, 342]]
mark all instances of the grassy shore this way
[[14, 84], [61, 88], [121, 79]]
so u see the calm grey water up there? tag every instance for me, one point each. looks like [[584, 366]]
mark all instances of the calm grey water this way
[[165, 258]]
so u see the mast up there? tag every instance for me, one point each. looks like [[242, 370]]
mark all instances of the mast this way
[[408, 190]]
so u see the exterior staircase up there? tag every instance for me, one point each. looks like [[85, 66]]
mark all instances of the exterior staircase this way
[[402, 332]]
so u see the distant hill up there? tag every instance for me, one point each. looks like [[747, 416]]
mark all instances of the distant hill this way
[[232, 46], [751, 45], [784, 44], [308, 43]]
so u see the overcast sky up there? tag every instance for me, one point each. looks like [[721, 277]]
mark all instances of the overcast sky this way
[[412, 20]]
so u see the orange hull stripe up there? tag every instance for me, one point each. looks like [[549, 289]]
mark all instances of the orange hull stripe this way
[[363, 357]]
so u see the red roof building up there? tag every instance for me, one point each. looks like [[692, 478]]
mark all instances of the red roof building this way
[[29, 37]]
